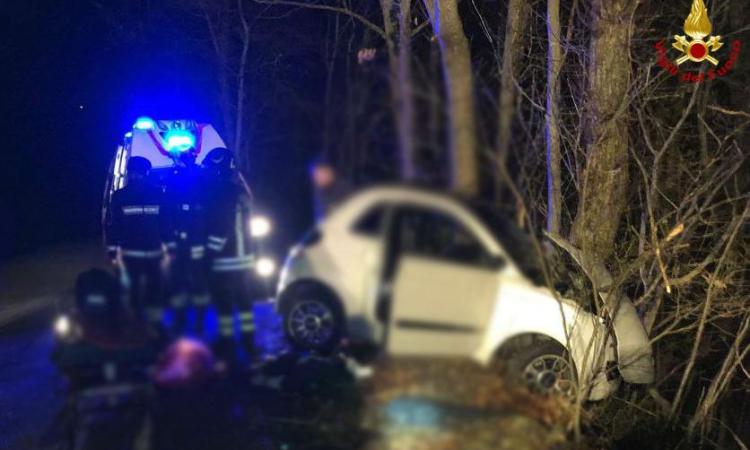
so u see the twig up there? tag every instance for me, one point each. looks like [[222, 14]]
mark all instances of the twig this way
[[336, 9]]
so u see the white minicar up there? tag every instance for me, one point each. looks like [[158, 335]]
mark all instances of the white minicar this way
[[424, 274]]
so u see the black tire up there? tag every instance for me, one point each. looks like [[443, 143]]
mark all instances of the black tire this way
[[313, 320], [543, 367]]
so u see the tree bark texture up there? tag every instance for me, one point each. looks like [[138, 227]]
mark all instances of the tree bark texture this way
[[552, 117], [398, 43], [459, 86], [239, 137], [605, 179], [518, 12]]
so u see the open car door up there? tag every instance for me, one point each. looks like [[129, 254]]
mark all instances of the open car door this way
[[440, 308], [444, 283]]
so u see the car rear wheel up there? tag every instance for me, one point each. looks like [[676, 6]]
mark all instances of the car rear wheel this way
[[312, 321], [545, 369]]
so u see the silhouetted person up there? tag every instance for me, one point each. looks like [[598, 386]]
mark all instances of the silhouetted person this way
[[101, 342], [231, 252], [187, 237], [328, 189], [136, 230]]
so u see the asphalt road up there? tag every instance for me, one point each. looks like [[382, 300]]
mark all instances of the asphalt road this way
[[31, 391], [30, 388]]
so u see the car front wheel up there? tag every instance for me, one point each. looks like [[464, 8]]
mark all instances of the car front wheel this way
[[545, 369], [313, 322]]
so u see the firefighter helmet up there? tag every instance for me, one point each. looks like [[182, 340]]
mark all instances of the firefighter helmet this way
[[138, 165]]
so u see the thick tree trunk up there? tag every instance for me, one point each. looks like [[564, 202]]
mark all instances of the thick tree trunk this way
[[552, 124], [605, 179], [398, 43], [459, 86], [518, 12], [405, 105]]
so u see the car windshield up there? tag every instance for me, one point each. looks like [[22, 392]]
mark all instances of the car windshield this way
[[515, 241]]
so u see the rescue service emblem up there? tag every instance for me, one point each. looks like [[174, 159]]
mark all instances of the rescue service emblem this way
[[698, 27], [697, 45]]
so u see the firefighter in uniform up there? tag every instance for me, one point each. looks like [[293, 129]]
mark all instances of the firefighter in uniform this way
[[101, 342], [106, 355], [231, 252], [135, 234], [186, 244]]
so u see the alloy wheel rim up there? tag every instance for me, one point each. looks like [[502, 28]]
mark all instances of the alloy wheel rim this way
[[311, 321], [550, 374]]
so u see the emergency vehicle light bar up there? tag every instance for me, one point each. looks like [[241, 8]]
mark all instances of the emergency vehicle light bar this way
[[144, 123], [179, 141]]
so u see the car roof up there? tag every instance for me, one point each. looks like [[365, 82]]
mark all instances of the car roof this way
[[503, 231]]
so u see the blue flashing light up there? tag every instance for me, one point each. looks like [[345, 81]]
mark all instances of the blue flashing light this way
[[179, 141], [128, 135], [144, 123]]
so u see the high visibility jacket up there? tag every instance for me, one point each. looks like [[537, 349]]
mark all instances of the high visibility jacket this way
[[229, 242], [135, 222]]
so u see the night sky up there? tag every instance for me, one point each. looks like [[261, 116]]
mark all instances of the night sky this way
[[76, 73]]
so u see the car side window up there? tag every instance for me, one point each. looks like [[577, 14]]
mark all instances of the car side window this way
[[434, 234], [370, 223]]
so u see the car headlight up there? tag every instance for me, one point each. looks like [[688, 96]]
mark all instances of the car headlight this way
[[62, 326], [265, 267], [260, 226]]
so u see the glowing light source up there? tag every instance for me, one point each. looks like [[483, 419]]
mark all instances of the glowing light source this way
[[144, 123], [260, 226], [62, 326], [179, 141], [265, 267], [128, 135]]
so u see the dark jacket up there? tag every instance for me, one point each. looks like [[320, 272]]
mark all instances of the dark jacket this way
[[136, 222], [185, 208], [229, 243]]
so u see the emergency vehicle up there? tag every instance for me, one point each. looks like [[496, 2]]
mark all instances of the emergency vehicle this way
[[163, 142], [159, 141]]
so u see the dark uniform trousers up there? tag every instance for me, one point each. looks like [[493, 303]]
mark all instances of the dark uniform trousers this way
[[232, 257], [143, 271], [188, 285], [232, 287], [188, 279]]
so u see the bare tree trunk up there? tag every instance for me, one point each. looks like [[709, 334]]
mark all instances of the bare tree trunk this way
[[239, 144], [552, 124], [605, 177], [512, 49], [399, 63], [330, 61], [459, 86], [219, 31], [405, 105]]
